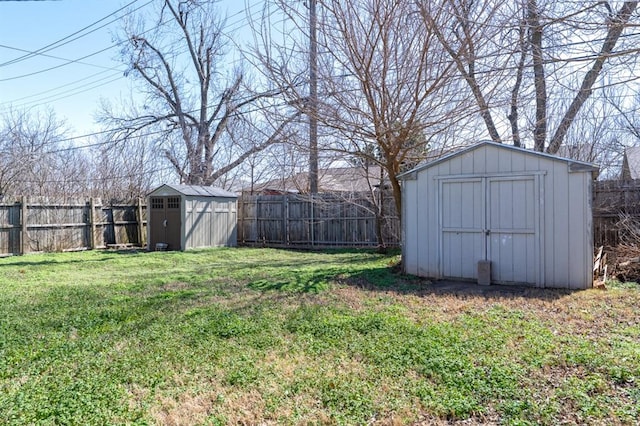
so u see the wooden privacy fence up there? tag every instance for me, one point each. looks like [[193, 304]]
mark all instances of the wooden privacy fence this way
[[32, 225], [613, 200], [323, 220], [41, 225]]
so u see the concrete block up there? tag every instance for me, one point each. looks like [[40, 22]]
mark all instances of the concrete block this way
[[484, 272]]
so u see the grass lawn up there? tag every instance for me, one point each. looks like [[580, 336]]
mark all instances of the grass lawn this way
[[261, 336]]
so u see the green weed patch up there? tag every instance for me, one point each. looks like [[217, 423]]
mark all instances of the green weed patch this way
[[231, 336]]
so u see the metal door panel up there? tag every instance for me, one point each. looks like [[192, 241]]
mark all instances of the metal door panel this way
[[512, 229], [165, 222], [157, 216], [462, 225], [173, 217], [490, 218], [460, 254]]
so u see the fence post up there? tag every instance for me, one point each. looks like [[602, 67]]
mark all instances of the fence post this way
[[92, 223], [115, 227], [240, 217], [285, 219], [140, 222], [258, 221], [311, 222], [23, 225]]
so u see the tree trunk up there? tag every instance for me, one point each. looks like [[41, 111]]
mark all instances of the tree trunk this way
[[513, 114], [539, 79]]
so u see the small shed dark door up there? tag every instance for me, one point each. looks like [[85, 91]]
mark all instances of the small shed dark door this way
[[165, 222]]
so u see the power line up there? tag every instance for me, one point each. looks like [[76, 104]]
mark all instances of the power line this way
[[495, 69], [42, 51], [248, 111], [134, 133], [77, 61], [71, 37], [85, 88], [68, 62], [67, 40], [59, 87]]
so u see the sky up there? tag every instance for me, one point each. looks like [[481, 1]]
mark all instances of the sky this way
[[62, 54]]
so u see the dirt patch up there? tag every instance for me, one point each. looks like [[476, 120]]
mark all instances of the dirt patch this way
[[588, 312], [623, 263], [184, 410]]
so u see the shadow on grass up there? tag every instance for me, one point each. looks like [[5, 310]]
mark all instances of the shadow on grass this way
[[58, 258], [26, 262], [385, 279], [390, 279], [315, 283], [107, 254], [293, 274]]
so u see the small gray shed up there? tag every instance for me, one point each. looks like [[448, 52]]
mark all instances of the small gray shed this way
[[523, 214], [182, 217]]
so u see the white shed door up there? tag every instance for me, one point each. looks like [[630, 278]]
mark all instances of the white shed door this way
[[463, 227], [493, 218], [512, 215]]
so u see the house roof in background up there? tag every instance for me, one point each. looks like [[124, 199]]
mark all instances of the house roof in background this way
[[631, 163], [581, 152], [338, 179]]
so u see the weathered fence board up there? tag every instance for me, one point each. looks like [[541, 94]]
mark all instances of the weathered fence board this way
[[37, 225], [264, 220], [10, 228], [612, 200], [346, 220]]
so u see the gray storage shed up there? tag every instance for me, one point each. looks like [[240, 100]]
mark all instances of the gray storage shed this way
[[524, 214], [182, 217]]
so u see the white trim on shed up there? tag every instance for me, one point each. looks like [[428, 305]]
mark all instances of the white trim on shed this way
[[527, 213]]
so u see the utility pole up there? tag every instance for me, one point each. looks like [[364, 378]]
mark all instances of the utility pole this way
[[313, 99]]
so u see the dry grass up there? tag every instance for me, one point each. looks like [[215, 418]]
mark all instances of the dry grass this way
[[594, 315], [267, 337]]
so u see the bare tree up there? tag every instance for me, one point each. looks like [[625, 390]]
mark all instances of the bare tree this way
[[615, 23], [460, 26], [279, 161], [10, 161], [624, 129], [35, 157], [192, 102], [561, 48], [627, 117], [126, 171], [73, 173], [383, 80], [595, 136]]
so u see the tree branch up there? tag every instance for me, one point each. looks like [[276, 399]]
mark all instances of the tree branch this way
[[616, 26], [257, 148]]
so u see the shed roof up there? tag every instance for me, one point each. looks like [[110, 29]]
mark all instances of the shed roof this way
[[574, 165], [198, 191]]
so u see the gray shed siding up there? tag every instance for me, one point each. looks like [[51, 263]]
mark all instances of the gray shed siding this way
[[554, 223], [210, 222], [208, 216]]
